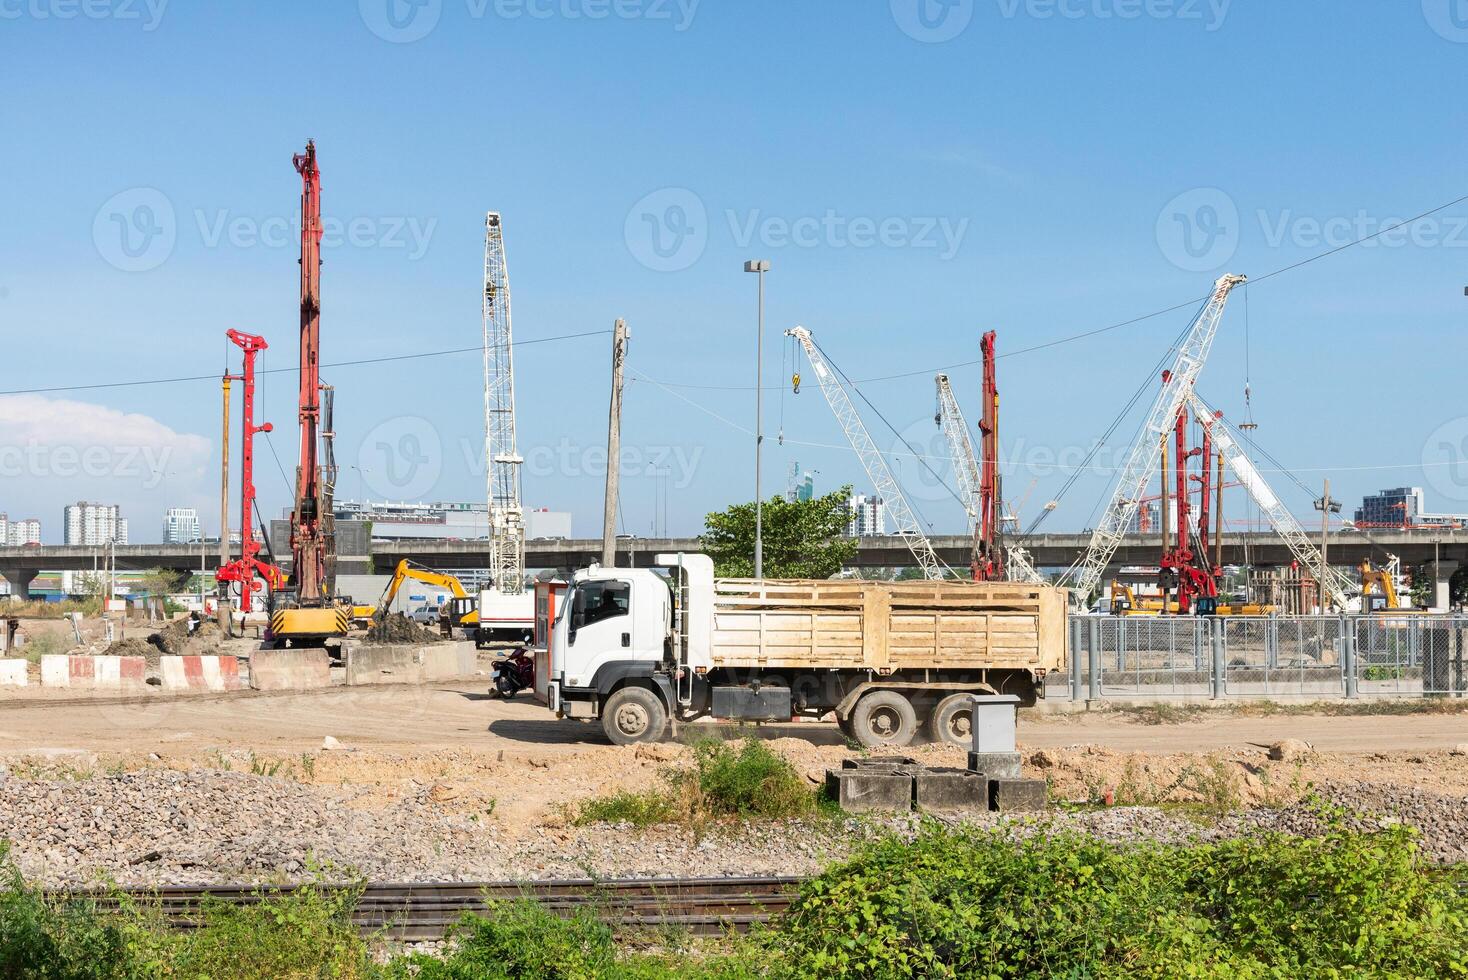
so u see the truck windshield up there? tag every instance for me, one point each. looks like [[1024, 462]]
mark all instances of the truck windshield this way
[[598, 600]]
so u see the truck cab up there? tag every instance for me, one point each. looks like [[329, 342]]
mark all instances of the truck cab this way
[[607, 645]]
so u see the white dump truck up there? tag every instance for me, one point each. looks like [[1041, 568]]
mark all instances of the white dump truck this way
[[636, 647]]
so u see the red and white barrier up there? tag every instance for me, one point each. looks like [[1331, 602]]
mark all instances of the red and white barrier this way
[[13, 673], [190, 673], [97, 673]]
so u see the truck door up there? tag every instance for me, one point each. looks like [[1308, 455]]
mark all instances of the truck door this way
[[601, 629]]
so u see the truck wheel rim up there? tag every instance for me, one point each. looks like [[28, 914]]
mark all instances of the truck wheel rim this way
[[885, 722], [961, 725], [631, 719]]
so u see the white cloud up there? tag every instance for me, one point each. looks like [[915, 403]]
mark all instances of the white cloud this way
[[54, 451]]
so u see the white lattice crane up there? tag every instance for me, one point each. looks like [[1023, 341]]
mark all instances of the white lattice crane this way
[[501, 458], [1335, 586], [1131, 483], [871, 459], [949, 418]]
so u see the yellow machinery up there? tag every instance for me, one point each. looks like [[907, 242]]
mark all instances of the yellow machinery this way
[[1379, 588], [1126, 602], [460, 611]]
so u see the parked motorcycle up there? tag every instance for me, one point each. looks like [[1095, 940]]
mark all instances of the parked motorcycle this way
[[513, 673]]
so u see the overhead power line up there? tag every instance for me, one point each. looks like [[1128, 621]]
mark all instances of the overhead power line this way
[[292, 370]]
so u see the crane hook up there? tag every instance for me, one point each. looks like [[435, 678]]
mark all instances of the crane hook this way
[[795, 383]]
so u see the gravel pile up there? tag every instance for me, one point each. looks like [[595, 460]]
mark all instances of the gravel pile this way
[[161, 826], [397, 628]]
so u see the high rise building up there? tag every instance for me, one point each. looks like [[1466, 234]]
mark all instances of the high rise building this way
[[15, 534], [181, 526], [94, 524], [1403, 507], [866, 515]]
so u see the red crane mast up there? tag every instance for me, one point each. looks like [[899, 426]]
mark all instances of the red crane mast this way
[[248, 565], [988, 563], [308, 536]]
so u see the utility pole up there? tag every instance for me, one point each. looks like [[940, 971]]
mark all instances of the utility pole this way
[[614, 447], [1326, 506], [759, 267]]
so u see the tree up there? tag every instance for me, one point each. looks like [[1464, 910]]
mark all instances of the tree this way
[[160, 581], [804, 539]]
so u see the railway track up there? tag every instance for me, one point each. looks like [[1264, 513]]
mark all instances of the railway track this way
[[422, 911]]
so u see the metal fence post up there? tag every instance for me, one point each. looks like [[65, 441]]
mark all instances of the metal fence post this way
[[1075, 657], [1348, 656], [1219, 665], [1093, 661]]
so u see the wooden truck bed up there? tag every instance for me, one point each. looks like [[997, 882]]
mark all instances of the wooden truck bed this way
[[887, 626]]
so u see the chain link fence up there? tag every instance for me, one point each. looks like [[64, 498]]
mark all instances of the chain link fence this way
[[1126, 657]]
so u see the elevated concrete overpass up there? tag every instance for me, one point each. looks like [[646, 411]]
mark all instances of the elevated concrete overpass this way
[[19, 566]]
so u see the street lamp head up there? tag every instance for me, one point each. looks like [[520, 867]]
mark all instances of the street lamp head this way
[[757, 265]]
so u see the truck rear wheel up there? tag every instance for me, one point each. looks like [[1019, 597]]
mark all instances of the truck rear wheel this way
[[884, 719], [634, 714], [952, 721]]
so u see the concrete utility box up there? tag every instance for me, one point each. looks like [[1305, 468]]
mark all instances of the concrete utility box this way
[[994, 751], [1017, 795], [943, 788], [855, 790]]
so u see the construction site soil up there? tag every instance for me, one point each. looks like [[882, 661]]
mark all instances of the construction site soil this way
[[448, 783], [397, 628]]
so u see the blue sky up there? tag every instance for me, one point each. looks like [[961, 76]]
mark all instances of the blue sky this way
[[1050, 168]]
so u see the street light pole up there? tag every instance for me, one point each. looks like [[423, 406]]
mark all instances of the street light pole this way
[[759, 267]]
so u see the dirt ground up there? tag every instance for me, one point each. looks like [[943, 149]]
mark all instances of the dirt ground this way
[[474, 753]]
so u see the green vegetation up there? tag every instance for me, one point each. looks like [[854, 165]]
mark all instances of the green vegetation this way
[[951, 903], [39, 609], [726, 781], [1177, 713], [804, 539]]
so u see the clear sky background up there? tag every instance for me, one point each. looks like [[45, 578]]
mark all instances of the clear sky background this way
[[915, 174]]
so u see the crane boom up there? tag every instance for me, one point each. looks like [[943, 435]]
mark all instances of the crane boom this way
[[871, 459], [1131, 484], [501, 459], [308, 538], [966, 471], [1334, 585]]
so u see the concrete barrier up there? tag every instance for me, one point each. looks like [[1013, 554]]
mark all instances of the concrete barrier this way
[[200, 673], [406, 664], [13, 673], [93, 673], [289, 670]]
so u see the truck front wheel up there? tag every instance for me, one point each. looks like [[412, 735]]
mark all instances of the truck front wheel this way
[[884, 719], [634, 714]]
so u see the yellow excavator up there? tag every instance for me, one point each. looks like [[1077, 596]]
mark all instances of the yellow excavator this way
[[459, 611], [1379, 588]]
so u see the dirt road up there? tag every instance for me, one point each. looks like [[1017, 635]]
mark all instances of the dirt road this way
[[412, 719]]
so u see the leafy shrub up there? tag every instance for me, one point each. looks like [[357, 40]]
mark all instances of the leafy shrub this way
[[724, 782], [976, 903]]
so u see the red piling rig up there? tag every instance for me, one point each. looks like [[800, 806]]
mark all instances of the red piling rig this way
[[308, 537], [245, 569], [988, 560], [1191, 573]]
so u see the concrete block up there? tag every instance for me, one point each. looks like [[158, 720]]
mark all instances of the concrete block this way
[[857, 790], [13, 673], [943, 788], [995, 765], [93, 673], [1017, 795], [879, 762], [450, 660], [200, 673], [289, 670], [389, 664]]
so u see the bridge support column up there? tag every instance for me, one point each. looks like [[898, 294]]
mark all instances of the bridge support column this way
[[20, 579], [1442, 596]]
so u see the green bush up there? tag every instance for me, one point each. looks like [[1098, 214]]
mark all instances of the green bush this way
[[725, 782], [975, 903]]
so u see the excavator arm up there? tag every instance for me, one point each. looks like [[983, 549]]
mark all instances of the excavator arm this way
[[408, 570]]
